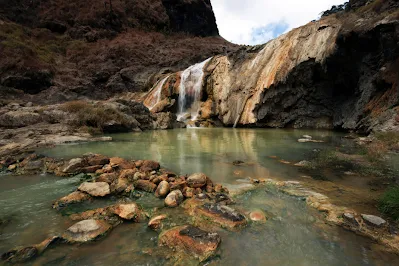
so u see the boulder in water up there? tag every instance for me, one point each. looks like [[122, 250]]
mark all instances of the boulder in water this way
[[162, 189], [373, 220], [223, 215], [74, 197], [257, 216], [96, 189], [197, 180], [86, 230], [191, 240], [129, 211], [74, 165], [174, 198], [156, 222]]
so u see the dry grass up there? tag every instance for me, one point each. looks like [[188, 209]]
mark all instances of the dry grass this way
[[93, 117]]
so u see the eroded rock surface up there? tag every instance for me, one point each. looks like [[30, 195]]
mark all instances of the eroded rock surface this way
[[191, 240]]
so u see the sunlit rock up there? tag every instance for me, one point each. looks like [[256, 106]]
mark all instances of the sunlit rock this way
[[74, 197], [145, 185], [87, 230], [174, 198], [162, 189], [96, 189], [197, 180], [156, 222]]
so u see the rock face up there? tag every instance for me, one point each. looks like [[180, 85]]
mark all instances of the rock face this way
[[319, 75], [85, 231], [96, 189], [191, 240]]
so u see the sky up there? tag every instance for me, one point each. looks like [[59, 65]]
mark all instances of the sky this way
[[258, 21]]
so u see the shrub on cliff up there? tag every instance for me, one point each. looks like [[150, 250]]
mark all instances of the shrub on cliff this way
[[389, 203]]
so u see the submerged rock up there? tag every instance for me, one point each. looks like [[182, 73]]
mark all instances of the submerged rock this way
[[174, 198], [74, 197], [373, 220], [25, 254], [257, 216], [87, 230], [191, 240], [163, 189], [96, 189], [223, 215], [197, 180]]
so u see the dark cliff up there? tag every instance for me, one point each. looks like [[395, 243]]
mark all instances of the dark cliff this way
[[58, 50]]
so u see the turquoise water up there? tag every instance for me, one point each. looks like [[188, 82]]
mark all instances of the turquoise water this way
[[294, 234]]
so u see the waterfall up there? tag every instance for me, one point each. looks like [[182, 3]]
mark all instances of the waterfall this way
[[157, 94], [190, 91]]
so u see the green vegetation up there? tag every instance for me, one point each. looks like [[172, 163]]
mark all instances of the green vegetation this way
[[94, 117], [389, 203]]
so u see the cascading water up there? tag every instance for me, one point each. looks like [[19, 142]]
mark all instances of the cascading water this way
[[157, 94], [190, 92]]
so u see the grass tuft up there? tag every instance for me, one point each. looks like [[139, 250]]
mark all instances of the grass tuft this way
[[389, 203]]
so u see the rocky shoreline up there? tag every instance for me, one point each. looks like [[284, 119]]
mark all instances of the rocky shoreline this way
[[210, 205]]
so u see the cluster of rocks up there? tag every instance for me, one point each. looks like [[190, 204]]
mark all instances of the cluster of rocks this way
[[206, 202]]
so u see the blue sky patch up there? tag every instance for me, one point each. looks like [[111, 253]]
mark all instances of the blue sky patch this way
[[265, 33]]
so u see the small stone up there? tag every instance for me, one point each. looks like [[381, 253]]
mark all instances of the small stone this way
[[307, 137], [257, 216], [96, 189], [349, 217], [107, 178], [129, 211], [86, 230], [12, 167], [197, 180], [162, 189], [373, 220], [128, 174], [149, 166], [174, 198], [156, 222], [188, 192]]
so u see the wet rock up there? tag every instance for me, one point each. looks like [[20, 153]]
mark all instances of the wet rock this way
[[130, 211], [197, 180], [145, 185], [178, 184], [96, 189], [27, 253], [162, 189], [74, 197], [128, 174], [349, 217], [156, 222], [223, 215], [74, 165], [303, 164], [307, 137], [90, 169], [121, 163], [120, 185], [373, 220], [309, 140], [174, 198], [189, 192], [149, 166], [191, 240], [87, 230], [257, 216]]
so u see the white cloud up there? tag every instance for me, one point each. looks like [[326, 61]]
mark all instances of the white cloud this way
[[238, 20]]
